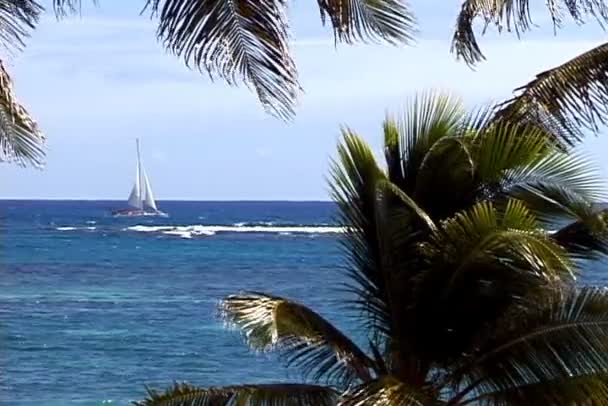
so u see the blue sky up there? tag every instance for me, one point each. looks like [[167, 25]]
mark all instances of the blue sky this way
[[96, 83]]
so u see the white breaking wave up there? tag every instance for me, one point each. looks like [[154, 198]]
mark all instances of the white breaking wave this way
[[203, 230], [74, 228]]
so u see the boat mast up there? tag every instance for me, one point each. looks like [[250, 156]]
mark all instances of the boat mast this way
[[141, 196]]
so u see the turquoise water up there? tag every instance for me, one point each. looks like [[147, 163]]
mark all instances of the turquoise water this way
[[92, 308]]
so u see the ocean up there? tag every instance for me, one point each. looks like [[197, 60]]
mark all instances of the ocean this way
[[93, 308]]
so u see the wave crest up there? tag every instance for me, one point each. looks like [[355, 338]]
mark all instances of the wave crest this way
[[191, 231]]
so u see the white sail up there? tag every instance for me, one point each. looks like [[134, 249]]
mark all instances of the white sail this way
[[147, 195], [141, 196], [135, 196]]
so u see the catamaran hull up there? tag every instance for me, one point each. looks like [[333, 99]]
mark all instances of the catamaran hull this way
[[138, 213]]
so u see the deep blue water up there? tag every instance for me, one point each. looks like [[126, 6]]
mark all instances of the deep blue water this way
[[92, 307]]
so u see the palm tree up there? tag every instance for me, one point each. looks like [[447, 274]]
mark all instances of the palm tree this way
[[461, 259], [572, 96]]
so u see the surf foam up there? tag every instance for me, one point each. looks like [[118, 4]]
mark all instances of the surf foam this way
[[204, 230]]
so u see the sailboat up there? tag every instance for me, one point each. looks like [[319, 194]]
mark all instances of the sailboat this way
[[141, 199]]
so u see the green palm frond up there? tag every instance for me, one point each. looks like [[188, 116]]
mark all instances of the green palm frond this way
[[242, 395], [355, 185], [387, 391], [479, 264], [572, 97], [514, 15], [305, 338], [558, 346], [20, 139], [482, 234], [428, 117], [360, 20], [445, 181], [502, 147], [234, 40], [17, 19], [558, 185]]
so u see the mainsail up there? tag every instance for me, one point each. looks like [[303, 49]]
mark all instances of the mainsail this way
[[141, 196]]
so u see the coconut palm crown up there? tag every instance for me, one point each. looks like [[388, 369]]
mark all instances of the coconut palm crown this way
[[461, 258]]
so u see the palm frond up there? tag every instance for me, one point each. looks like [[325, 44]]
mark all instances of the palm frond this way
[[571, 98], [64, 8], [259, 395], [360, 20], [477, 265], [427, 118], [559, 343], [514, 15], [482, 234], [234, 40], [589, 389], [445, 181], [503, 146], [355, 184], [305, 338], [20, 139], [386, 391], [17, 19], [559, 185]]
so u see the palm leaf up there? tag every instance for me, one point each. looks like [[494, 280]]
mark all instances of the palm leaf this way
[[360, 20], [355, 186], [566, 390], [242, 395], [17, 19], [308, 340], [234, 40], [502, 147], [445, 181], [64, 8], [571, 98], [559, 345], [386, 391], [427, 118], [20, 139], [558, 185], [475, 267], [513, 15]]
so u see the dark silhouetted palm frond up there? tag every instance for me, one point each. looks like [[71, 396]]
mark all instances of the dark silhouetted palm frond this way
[[514, 15], [386, 391], [20, 139], [240, 39], [479, 264], [305, 338], [17, 19], [248, 40], [361, 20], [569, 98], [553, 353], [242, 395]]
